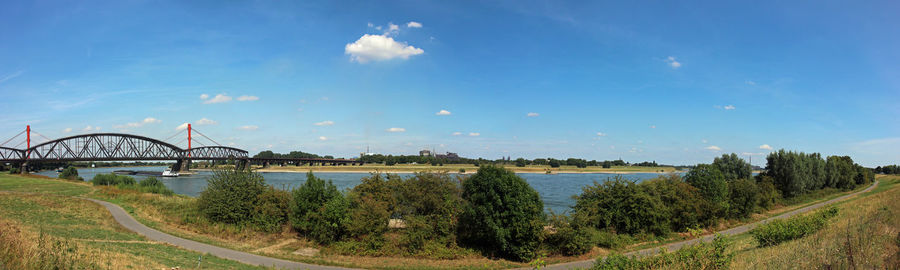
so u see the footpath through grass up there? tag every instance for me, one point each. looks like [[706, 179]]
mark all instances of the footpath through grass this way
[[865, 234], [51, 230]]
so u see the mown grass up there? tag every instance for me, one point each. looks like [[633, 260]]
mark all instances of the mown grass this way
[[864, 235], [42, 184], [81, 234]]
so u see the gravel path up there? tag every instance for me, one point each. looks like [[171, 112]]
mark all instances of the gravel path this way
[[733, 231], [123, 218]]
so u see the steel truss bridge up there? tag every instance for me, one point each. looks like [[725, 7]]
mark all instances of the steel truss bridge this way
[[128, 147]]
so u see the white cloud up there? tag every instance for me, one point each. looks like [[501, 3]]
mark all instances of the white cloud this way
[[704, 141], [532, 114], [379, 48], [393, 27], [673, 63], [204, 121], [90, 128], [728, 107], [474, 134], [443, 112], [247, 98], [653, 126], [204, 96], [749, 82], [601, 134], [183, 126], [11, 76], [396, 129], [324, 123], [148, 120], [713, 148], [457, 133], [323, 138], [67, 130], [765, 147], [220, 98], [248, 127], [414, 25], [371, 25]]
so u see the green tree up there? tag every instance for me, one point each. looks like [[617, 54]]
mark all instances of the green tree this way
[[623, 206], [732, 167], [744, 196], [503, 214], [69, 173], [711, 183], [231, 195], [319, 210], [554, 163], [520, 162]]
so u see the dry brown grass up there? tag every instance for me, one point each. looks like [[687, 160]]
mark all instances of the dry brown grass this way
[[864, 235]]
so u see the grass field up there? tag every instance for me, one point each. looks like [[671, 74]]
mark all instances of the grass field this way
[[51, 230], [864, 235], [468, 168]]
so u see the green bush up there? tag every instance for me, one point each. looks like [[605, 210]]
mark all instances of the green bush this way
[[153, 185], [434, 199], [782, 230], [503, 214], [271, 210], [686, 207], [704, 255], [609, 239], [743, 198], [69, 173], [231, 196], [623, 206], [711, 183], [768, 194], [319, 211], [15, 170], [112, 180], [567, 238]]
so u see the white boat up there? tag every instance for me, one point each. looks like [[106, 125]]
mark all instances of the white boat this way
[[169, 173]]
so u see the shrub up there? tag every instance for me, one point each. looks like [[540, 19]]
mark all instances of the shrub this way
[[231, 195], [319, 211], [743, 198], [15, 170], [567, 238], [768, 194], [782, 230], [69, 173], [503, 214], [271, 209], [609, 239], [711, 183], [112, 180], [153, 185], [623, 206], [704, 255], [686, 207], [434, 199]]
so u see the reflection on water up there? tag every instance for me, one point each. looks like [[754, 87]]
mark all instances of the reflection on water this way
[[555, 189]]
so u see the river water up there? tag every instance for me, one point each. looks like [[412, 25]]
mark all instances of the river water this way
[[555, 189]]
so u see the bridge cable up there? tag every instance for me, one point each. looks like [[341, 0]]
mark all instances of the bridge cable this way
[[42, 136], [182, 140], [20, 144], [204, 136], [173, 136], [201, 144], [10, 139]]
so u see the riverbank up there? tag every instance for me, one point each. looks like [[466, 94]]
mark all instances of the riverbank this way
[[464, 169]]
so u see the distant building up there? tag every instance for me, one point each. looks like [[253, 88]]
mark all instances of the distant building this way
[[425, 153], [363, 154]]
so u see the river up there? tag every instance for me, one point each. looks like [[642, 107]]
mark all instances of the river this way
[[555, 189]]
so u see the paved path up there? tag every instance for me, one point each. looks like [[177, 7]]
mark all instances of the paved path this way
[[130, 223], [707, 238]]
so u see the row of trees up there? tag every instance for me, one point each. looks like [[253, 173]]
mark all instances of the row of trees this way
[[493, 211], [889, 169], [292, 154], [796, 173]]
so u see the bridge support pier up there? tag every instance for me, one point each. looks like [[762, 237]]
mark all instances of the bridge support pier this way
[[182, 165]]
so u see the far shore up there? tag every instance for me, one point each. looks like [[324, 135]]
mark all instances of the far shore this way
[[457, 169]]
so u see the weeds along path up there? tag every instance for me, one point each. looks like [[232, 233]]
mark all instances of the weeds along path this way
[[733, 231], [127, 221]]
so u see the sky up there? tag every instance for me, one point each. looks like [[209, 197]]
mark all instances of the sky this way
[[675, 83]]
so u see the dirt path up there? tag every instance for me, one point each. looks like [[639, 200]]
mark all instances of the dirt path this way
[[123, 218], [733, 231]]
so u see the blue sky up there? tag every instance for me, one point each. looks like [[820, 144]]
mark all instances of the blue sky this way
[[678, 83]]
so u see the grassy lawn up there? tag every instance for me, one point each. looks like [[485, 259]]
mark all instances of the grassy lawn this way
[[865, 234], [73, 233]]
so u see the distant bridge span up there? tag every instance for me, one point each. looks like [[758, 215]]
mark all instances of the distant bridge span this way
[[128, 147]]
